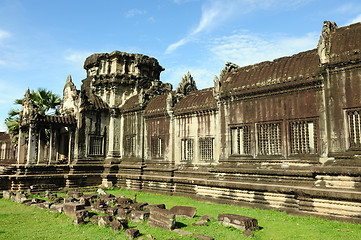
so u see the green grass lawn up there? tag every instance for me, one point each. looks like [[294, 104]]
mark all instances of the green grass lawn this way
[[20, 222]]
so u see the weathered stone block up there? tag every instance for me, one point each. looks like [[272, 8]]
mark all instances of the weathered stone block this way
[[123, 213], [20, 197], [105, 221], [237, 221], [116, 226], [101, 192], [71, 208], [200, 223], [132, 233], [7, 194], [56, 208], [45, 205], [162, 218], [139, 216], [206, 218], [148, 207], [139, 206], [74, 194], [184, 211], [125, 202]]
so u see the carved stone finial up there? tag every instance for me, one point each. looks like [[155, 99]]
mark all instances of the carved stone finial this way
[[186, 85], [217, 87], [68, 79], [228, 67], [324, 44]]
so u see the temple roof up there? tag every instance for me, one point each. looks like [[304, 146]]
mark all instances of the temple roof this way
[[345, 44], [66, 120], [131, 104], [267, 75], [95, 103], [196, 101], [157, 106]]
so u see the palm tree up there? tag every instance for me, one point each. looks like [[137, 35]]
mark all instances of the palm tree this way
[[46, 100]]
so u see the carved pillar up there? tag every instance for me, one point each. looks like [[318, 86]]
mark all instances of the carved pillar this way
[[52, 147], [21, 147], [32, 146], [113, 133], [40, 147], [70, 150]]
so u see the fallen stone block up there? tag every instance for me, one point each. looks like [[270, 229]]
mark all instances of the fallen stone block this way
[[45, 205], [20, 197], [56, 208], [91, 197], [122, 213], [139, 216], [71, 208], [74, 194], [112, 211], [94, 219], [200, 223], [7, 194], [161, 218], [203, 237], [101, 192], [237, 221], [116, 226], [105, 221], [69, 200], [206, 218], [58, 200], [139, 206], [131, 233], [184, 211], [148, 207], [125, 202]]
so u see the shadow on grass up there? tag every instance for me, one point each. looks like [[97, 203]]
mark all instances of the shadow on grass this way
[[179, 225]]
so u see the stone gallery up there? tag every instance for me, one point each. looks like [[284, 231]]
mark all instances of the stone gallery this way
[[284, 134]]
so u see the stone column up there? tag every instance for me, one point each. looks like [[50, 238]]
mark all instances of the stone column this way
[[69, 146], [113, 133], [32, 146], [40, 148], [21, 148], [52, 148]]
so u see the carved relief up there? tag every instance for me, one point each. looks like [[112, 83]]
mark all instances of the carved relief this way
[[324, 45], [186, 86]]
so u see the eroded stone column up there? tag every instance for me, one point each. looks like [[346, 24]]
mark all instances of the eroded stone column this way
[[32, 146], [40, 148], [21, 147], [114, 130]]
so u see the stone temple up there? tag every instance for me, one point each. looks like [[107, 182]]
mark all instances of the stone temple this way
[[284, 134]]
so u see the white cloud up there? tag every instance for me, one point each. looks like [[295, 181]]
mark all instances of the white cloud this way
[[4, 34], [217, 12], [245, 48], [76, 57], [134, 12]]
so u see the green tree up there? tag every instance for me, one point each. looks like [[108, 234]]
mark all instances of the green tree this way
[[46, 100]]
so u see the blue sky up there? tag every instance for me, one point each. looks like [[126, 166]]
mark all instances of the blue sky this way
[[43, 41]]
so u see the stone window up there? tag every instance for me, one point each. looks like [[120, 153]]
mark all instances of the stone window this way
[[354, 128], [241, 140], [96, 145], [129, 145], [269, 138], [206, 148], [187, 149], [157, 147], [303, 137]]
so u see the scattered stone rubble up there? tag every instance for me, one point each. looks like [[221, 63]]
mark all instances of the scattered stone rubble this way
[[83, 209]]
